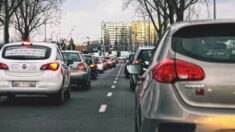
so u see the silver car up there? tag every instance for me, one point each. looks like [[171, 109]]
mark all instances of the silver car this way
[[80, 71], [189, 85]]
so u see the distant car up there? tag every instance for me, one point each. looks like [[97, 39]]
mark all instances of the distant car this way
[[91, 62], [80, 71], [128, 62], [109, 61], [114, 61], [100, 64], [34, 68], [122, 59], [189, 85], [142, 57]]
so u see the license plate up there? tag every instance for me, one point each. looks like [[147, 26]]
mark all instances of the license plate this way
[[23, 84]]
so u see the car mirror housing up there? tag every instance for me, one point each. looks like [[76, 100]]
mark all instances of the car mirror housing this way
[[134, 69]]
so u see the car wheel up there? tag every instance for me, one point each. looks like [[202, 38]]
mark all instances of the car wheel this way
[[58, 98], [68, 93], [132, 85], [88, 85], [126, 75], [137, 120], [11, 97]]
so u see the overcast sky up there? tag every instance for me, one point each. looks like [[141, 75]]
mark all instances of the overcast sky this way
[[82, 18]]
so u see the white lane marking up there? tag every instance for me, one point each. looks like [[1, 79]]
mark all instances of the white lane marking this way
[[109, 94], [116, 78], [120, 69], [114, 81], [102, 108], [113, 86]]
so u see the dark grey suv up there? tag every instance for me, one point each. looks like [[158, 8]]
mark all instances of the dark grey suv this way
[[189, 85]]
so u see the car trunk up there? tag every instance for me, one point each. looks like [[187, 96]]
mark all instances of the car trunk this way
[[212, 49], [24, 69]]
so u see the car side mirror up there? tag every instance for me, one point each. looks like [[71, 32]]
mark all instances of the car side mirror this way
[[134, 69], [69, 62]]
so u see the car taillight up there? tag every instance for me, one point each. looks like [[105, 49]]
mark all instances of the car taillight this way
[[3, 66], [81, 67], [170, 70], [137, 62], [92, 65], [54, 66], [100, 62]]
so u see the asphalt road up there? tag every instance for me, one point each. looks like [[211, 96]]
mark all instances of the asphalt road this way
[[108, 106]]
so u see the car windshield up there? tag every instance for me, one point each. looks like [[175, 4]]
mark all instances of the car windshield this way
[[71, 56], [19, 52]]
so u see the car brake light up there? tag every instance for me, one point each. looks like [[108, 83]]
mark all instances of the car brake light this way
[[3, 66], [26, 43], [81, 67], [100, 62], [92, 65], [54, 66], [170, 70]]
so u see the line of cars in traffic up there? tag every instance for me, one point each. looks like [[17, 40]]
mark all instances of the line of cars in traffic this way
[[43, 69], [187, 84]]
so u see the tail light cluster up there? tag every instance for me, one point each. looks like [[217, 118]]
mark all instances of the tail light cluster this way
[[3, 66], [53, 66], [171, 70], [81, 67], [92, 65]]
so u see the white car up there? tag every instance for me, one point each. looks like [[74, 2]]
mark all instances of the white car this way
[[34, 68], [99, 63]]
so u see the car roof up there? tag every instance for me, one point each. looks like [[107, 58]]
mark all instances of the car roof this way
[[71, 51], [202, 22], [52, 45], [145, 47]]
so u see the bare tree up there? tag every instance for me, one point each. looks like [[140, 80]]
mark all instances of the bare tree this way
[[32, 14], [8, 9], [166, 11]]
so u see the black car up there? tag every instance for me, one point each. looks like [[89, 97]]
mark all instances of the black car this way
[[128, 62], [91, 62]]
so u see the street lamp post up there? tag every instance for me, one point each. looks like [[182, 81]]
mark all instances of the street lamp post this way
[[88, 44], [214, 9]]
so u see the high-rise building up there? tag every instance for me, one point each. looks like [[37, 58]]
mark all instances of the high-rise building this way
[[143, 34], [116, 35]]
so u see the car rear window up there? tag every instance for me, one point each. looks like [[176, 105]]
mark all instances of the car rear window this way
[[145, 55], [88, 58], [71, 56], [19, 52], [214, 43]]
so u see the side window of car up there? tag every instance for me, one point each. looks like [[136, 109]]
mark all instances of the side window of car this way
[[59, 55], [158, 48]]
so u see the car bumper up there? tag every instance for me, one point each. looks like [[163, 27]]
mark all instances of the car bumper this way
[[46, 83], [79, 78], [167, 108]]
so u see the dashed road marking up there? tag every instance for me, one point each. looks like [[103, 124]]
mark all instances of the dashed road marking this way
[[114, 81], [103, 108], [113, 87], [109, 94], [116, 78]]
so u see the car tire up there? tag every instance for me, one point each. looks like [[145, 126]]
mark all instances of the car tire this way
[[137, 120], [58, 97], [10, 97], [126, 75], [132, 85], [68, 92]]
